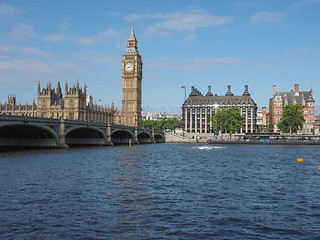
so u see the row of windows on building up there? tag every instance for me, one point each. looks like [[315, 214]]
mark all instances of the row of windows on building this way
[[197, 119]]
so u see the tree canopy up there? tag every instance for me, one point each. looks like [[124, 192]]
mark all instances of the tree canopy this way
[[292, 119], [163, 124], [227, 120]]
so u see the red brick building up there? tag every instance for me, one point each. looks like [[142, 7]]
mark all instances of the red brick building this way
[[281, 99]]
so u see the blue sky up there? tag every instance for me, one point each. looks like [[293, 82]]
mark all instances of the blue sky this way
[[193, 43]]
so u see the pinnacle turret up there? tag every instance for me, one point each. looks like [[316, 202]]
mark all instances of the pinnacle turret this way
[[132, 36], [132, 47]]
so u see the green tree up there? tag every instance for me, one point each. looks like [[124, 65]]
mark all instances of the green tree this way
[[229, 120], [148, 123], [162, 124], [312, 131], [292, 119], [234, 120], [218, 121]]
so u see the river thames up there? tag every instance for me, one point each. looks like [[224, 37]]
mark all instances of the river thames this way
[[161, 191]]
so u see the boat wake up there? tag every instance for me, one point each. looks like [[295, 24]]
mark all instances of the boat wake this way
[[208, 147]]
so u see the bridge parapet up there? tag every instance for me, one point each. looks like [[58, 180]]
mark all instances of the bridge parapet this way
[[28, 119], [122, 127]]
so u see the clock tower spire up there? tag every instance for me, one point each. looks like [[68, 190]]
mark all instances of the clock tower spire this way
[[131, 83]]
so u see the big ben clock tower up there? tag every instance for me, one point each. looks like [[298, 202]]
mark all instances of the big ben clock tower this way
[[131, 83]]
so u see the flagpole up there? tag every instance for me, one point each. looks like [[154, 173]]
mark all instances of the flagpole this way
[[185, 92]]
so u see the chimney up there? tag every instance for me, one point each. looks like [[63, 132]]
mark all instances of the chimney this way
[[274, 89], [209, 93], [264, 110], [246, 92], [296, 87]]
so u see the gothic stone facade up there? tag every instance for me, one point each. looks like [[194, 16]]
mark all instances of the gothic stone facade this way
[[131, 83], [281, 99], [11, 107], [197, 110], [75, 105]]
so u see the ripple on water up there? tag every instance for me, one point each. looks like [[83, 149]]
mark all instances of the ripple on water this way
[[161, 191]]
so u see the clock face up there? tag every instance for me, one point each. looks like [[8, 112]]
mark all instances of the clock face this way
[[129, 67]]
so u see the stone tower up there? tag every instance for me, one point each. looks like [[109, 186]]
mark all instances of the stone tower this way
[[131, 83], [75, 102], [49, 101]]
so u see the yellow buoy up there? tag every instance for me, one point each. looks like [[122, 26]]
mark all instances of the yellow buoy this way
[[300, 160], [319, 168]]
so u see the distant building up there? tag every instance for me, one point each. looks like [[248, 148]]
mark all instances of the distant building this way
[[197, 110], [160, 116], [259, 121], [281, 99], [74, 105], [147, 116], [316, 125], [11, 108], [263, 125]]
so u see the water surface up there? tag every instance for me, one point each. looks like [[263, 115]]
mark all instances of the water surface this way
[[161, 191]]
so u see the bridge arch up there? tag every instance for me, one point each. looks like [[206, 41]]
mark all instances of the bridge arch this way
[[80, 135], [27, 135], [144, 137], [158, 138], [121, 136]]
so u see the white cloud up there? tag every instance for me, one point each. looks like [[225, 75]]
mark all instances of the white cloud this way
[[96, 58], [189, 21], [8, 11], [25, 71], [24, 66], [184, 21], [23, 32], [56, 37], [38, 67], [266, 17], [24, 50], [65, 24], [224, 31], [6, 48], [195, 64], [100, 37], [306, 2], [84, 40]]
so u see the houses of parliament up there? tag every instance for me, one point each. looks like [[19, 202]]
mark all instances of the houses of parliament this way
[[77, 104]]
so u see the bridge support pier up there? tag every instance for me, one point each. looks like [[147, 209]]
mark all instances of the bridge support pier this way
[[152, 135], [62, 137], [135, 135], [108, 133]]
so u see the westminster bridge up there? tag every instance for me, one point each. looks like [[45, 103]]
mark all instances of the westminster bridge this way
[[50, 132]]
